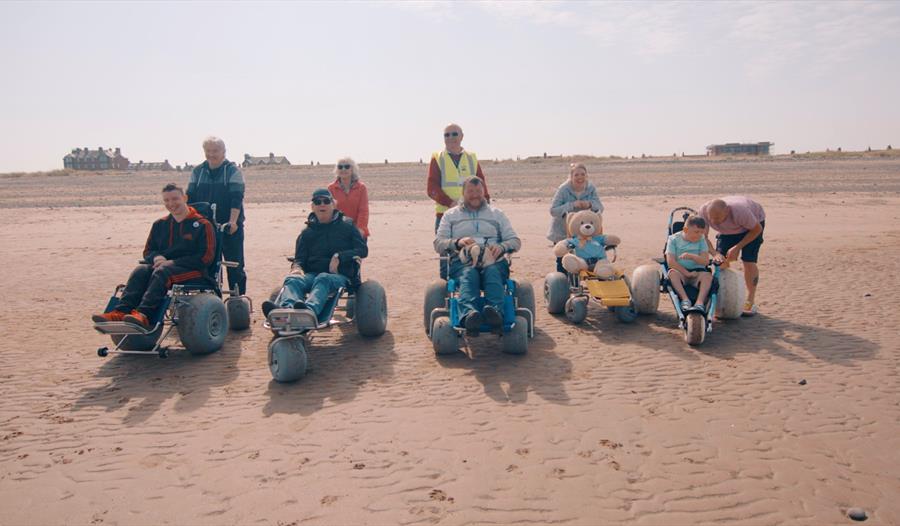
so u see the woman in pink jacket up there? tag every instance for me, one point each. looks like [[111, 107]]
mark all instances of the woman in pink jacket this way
[[351, 194]]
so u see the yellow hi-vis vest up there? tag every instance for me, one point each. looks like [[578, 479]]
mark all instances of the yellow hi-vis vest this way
[[452, 178]]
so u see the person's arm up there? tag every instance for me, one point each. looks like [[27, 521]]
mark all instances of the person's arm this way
[[592, 198], [510, 240], [435, 192], [747, 239], [559, 207], [442, 241], [301, 253], [358, 246], [192, 184], [236, 195], [150, 248], [203, 248], [479, 174], [672, 259], [362, 219]]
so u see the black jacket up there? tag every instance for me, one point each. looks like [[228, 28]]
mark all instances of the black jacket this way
[[190, 244], [318, 242], [223, 186]]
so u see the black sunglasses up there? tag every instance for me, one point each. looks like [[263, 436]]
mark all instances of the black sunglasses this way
[[322, 201], [344, 166], [451, 134]]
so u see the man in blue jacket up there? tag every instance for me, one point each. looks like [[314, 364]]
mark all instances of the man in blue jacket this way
[[220, 181], [323, 258]]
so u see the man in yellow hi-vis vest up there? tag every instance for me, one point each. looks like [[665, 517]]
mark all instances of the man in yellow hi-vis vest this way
[[448, 171]]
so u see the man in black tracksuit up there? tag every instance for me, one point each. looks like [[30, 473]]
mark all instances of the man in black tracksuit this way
[[323, 258], [180, 247], [220, 181]]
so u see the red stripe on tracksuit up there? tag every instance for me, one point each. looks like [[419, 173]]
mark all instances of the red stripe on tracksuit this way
[[184, 276]]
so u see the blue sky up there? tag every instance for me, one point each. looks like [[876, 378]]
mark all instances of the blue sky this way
[[315, 81]]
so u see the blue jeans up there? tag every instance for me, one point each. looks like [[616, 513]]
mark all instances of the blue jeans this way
[[315, 288], [472, 280]]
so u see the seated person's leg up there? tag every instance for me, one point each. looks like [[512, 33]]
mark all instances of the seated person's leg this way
[[677, 281], [295, 289], [469, 284], [705, 280], [323, 286], [161, 281], [493, 279], [131, 296]]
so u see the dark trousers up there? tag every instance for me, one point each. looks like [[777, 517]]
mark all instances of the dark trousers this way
[[146, 287], [233, 250]]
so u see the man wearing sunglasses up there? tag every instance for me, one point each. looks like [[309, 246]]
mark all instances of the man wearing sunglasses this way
[[323, 258], [448, 170]]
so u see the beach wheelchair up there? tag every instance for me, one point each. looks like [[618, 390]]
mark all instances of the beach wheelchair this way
[[442, 318], [194, 307], [361, 302], [725, 299], [571, 293]]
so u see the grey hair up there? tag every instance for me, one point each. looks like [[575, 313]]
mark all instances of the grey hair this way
[[354, 170], [454, 125], [214, 140]]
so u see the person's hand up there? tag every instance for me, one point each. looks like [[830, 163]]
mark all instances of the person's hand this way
[[465, 241], [495, 250], [719, 258], [158, 261], [582, 205], [166, 263], [333, 265], [732, 254], [231, 228], [688, 256], [692, 274]]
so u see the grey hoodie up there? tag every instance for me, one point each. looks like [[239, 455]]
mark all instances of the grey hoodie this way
[[486, 225], [564, 202]]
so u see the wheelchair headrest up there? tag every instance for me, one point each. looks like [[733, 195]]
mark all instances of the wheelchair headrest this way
[[206, 210], [677, 226]]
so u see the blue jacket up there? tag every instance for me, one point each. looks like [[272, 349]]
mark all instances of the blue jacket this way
[[563, 203], [226, 192]]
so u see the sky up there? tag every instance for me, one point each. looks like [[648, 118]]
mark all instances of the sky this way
[[317, 81]]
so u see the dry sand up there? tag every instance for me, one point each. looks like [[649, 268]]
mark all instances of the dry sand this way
[[600, 423]]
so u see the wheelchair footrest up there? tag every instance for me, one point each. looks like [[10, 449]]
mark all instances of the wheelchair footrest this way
[[121, 327], [292, 320]]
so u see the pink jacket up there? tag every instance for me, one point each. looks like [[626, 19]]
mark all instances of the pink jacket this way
[[353, 204]]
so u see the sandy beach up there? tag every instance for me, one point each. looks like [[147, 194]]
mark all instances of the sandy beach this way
[[599, 423]]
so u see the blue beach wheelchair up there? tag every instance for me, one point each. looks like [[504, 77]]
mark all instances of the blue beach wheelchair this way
[[196, 308], [442, 317], [725, 298]]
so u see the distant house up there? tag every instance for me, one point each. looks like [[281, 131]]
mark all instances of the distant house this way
[[155, 166], [734, 148], [99, 159], [249, 160]]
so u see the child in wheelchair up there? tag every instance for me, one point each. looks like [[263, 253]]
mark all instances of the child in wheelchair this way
[[687, 256]]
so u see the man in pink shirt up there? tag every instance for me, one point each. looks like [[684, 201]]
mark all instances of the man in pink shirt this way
[[740, 222]]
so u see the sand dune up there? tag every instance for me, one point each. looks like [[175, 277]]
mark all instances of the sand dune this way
[[599, 423]]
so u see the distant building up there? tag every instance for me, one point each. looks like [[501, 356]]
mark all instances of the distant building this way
[[155, 166], [734, 148], [99, 159], [249, 160]]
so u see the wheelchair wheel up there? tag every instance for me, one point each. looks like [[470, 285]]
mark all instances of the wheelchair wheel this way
[[516, 340], [626, 314], [731, 295], [556, 292], [137, 342], [645, 289], [694, 328], [525, 297], [576, 309], [287, 359], [444, 338], [202, 323], [238, 313], [371, 309], [435, 298]]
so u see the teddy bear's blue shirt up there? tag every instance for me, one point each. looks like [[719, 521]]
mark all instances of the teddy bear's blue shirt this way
[[594, 248]]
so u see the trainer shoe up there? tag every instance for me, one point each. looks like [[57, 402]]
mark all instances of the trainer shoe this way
[[685, 305], [472, 323], [267, 307], [114, 315], [300, 305], [492, 316], [138, 318], [750, 309]]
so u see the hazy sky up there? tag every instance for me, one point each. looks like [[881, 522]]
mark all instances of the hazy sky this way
[[380, 80]]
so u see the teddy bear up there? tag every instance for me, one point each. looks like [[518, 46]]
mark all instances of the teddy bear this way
[[477, 255], [585, 248]]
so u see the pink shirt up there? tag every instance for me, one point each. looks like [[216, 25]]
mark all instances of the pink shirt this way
[[743, 215]]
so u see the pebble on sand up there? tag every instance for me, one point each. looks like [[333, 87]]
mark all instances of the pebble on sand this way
[[802, 382], [857, 514]]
